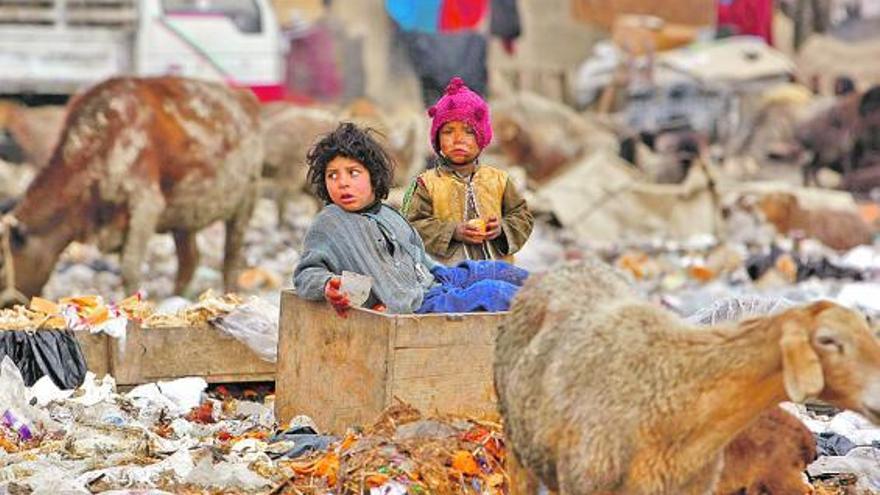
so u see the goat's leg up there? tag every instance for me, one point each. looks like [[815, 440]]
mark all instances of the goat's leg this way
[[235, 230], [281, 208], [144, 217], [704, 482], [187, 258], [282, 197], [522, 482], [810, 168]]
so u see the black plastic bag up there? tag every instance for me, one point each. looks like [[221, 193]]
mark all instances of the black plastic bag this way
[[55, 353]]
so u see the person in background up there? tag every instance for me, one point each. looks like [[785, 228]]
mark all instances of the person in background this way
[[465, 210], [356, 232], [445, 38], [844, 85]]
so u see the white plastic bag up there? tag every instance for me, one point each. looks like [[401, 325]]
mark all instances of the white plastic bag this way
[[185, 392], [226, 475], [15, 409], [737, 308], [255, 324]]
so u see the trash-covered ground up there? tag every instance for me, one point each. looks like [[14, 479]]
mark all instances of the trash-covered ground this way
[[173, 437]]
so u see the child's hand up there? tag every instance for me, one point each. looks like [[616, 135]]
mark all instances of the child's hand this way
[[468, 234], [493, 228], [337, 299]]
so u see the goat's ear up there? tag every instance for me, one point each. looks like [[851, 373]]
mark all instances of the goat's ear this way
[[801, 368], [820, 306]]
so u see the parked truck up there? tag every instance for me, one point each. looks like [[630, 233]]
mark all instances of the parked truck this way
[[56, 47]]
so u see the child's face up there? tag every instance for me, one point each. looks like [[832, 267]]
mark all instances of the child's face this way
[[458, 143], [348, 183]]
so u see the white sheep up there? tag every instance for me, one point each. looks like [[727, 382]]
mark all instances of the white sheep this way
[[604, 393]]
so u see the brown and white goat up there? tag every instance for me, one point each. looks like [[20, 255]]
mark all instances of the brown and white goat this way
[[604, 393]]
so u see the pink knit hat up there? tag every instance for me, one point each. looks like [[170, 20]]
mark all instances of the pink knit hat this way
[[460, 103]]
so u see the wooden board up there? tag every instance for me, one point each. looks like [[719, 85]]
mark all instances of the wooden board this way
[[96, 350], [344, 372], [152, 354]]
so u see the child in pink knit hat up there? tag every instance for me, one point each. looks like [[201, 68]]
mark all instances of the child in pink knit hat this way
[[465, 210]]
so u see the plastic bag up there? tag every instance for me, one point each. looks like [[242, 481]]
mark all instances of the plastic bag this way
[[94, 391], [54, 353], [226, 475], [736, 308], [861, 461], [305, 441], [176, 467], [185, 392], [16, 413], [45, 391], [255, 324]]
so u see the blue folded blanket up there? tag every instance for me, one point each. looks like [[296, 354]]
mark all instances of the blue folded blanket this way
[[473, 286]]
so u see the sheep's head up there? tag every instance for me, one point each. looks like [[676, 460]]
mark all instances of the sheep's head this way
[[830, 352]]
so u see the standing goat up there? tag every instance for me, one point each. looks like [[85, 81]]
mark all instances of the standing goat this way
[[603, 393], [138, 156]]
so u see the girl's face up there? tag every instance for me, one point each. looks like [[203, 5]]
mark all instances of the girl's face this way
[[348, 183], [458, 143]]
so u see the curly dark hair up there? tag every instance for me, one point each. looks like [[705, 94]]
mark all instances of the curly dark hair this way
[[357, 144]]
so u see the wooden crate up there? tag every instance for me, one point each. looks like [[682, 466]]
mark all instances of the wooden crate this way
[[152, 354], [344, 372], [96, 350]]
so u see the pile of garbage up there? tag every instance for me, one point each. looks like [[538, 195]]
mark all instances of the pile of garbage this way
[[93, 314], [848, 448], [405, 453], [160, 435], [689, 276], [176, 437]]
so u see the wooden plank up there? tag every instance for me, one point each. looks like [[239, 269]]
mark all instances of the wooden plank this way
[[95, 348], [458, 329], [444, 363], [330, 368], [153, 354]]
